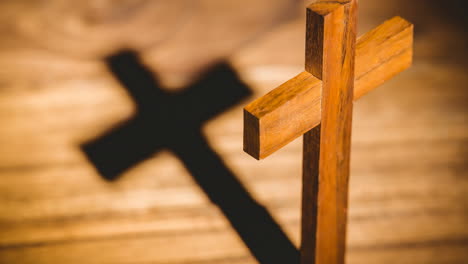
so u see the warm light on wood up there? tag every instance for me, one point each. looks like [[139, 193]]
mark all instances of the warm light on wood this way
[[380, 55], [318, 103]]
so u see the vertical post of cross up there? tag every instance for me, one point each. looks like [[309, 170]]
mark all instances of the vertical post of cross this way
[[330, 55]]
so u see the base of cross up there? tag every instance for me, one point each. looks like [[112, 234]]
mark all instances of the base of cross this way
[[318, 104]]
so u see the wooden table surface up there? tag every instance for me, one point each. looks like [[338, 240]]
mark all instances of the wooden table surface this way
[[409, 180]]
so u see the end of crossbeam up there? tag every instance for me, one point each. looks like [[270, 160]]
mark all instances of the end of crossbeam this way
[[251, 134], [267, 120]]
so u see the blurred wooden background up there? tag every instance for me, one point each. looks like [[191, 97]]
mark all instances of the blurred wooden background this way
[[409, 183]]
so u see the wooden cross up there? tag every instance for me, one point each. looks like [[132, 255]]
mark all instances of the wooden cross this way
[[318, 104]]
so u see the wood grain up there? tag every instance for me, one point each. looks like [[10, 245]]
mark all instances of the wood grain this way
[[326, 210], [408, 192], [310, 191], [381, 54], [267, 119]]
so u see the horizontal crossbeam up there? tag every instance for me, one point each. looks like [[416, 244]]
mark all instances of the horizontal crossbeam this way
[[380, 55]]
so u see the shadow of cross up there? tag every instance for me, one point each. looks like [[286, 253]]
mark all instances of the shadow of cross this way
[[318, 104], [173, 121]]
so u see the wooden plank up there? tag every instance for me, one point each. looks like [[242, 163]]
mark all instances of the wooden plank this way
[[381, 54], [26, 195], [325, 207], [310, 191], [414, 230], [146, 248], [417, 212], [267, 126]]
